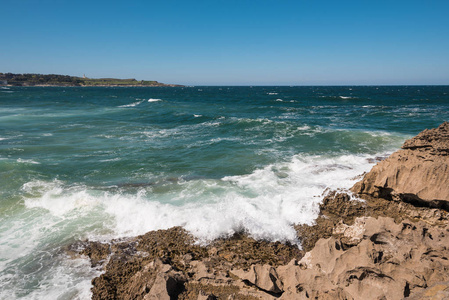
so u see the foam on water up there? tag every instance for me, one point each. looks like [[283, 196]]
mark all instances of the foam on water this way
[[265, 203], [132, 104], [27, 161], [154, 100]]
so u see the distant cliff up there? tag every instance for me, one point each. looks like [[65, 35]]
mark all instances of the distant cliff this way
[[65, 80]]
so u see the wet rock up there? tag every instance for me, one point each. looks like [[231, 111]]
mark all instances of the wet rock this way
[[168, 263]]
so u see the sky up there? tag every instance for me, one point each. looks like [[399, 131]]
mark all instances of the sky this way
[[242, 42]]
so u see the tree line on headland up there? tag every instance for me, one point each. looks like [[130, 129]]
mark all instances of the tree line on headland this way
[[66, 80]]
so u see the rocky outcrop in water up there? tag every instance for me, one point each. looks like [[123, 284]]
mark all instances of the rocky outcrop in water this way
[[391, 245], [418, 173]]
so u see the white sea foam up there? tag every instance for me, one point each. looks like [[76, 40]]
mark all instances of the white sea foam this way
[[272, 93], [305, 127], [56, 198], [345, 97], [111, 159], [132, 104], [27, 161], [264, 203], [71, 279], [154, 100]]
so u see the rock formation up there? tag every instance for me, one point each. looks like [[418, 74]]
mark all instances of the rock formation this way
[[418, 173], [391, 245]]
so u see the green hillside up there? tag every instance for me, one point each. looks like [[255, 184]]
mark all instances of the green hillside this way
[[65, 80]]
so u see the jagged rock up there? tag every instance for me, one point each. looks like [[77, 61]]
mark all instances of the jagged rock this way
[[263, 277], [393, 261], [439, 291], [98, 253], [418, 173], [435, 140], [158, 263], [167, 285], [205, 296]]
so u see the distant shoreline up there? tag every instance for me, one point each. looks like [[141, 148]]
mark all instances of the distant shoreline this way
[[47, 80], [52, 85]]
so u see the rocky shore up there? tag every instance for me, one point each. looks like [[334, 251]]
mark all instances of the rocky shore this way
[[390, 243]]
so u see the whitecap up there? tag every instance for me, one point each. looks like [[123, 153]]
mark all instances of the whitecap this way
[[305, 127], [132, 104], [264, 203], [27, 161], [111, 159], [154, 100]]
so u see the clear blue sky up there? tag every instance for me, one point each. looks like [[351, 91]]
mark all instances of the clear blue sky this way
[[242, 42]]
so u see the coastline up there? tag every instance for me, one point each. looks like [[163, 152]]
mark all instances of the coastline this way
[[109, 85], [48, 80], [384, 246]]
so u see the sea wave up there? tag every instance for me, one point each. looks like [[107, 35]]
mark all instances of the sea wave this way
[[27, 161], [132, 104], [263, 204]]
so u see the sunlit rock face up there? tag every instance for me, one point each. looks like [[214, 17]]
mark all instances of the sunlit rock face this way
[[418, 173]]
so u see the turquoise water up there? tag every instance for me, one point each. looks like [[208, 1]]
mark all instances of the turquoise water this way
[[103, 163]]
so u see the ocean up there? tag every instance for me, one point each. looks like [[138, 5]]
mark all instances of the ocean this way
[[81, 163]]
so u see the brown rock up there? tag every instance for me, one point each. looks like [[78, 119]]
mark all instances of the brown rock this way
[[206, 296], [418, 173], [167, 285], [393, 261], [435, 140], [263, 277]]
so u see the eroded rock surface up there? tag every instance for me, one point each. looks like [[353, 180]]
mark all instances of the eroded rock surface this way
[[167, 264], [418, 173], [390, 261]]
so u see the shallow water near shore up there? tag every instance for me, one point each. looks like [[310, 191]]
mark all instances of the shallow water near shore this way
[[103, 163]]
